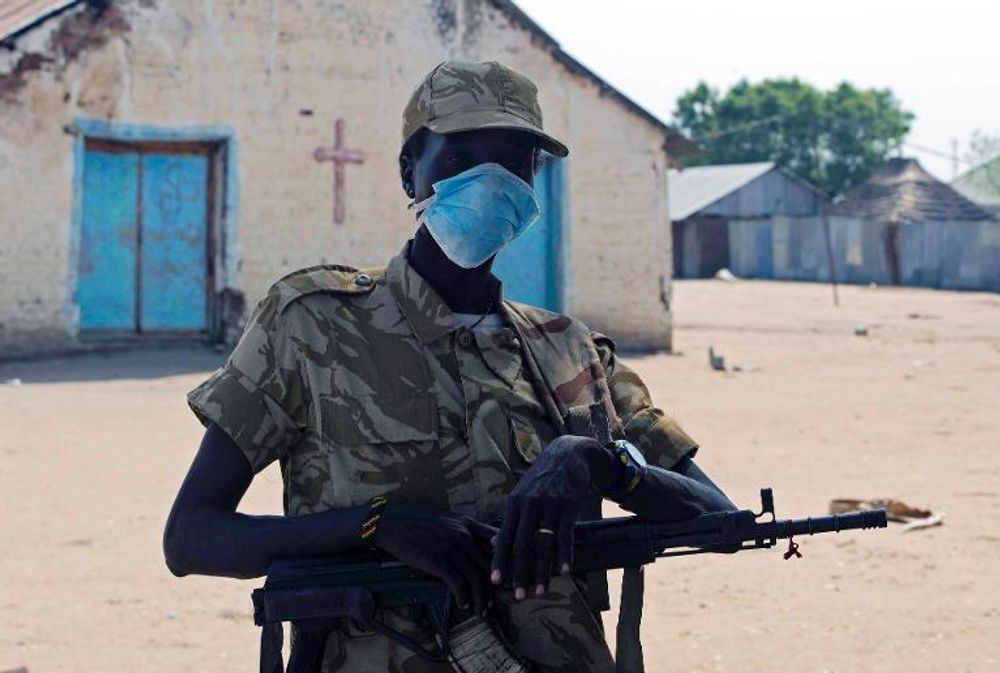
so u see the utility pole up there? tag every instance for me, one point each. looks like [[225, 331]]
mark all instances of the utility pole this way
[[826, 222]]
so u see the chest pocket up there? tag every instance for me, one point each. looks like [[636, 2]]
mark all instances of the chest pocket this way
[[383, 446], [377, 419]]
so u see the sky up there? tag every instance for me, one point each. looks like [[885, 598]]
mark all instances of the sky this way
[[941, 59]]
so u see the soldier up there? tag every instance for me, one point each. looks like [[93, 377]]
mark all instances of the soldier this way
[[414, 410]]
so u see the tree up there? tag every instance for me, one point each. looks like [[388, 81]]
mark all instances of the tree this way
[[846, 132], [982, 182]]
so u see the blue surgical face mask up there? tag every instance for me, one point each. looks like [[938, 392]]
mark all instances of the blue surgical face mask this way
[[474, 214]]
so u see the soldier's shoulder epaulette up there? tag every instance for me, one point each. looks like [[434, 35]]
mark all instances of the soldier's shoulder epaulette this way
[[332, 278], [535, 322]]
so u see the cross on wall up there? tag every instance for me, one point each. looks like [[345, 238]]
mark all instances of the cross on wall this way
[[340, 156]]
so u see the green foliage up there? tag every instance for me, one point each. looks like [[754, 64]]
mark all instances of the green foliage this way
[[846, 133], [982, 182]]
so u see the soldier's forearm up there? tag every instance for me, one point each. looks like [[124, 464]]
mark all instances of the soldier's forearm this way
[[667, 495], [230, 544], [205, 535], [687, 467], [683, 492]]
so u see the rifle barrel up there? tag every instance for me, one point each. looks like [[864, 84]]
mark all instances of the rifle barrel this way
[[628, 541], [835, 523]]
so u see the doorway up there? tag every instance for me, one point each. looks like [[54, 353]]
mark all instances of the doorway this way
[[146, 239], [532, 266], [764, 247]]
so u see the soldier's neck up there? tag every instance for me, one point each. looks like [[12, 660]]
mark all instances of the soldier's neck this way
[[463, 290]]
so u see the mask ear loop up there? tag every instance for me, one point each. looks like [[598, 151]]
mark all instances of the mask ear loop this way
[[492, 167], [421, 207]]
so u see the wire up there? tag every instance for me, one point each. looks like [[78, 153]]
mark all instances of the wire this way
[[742, 127], [938, 153], [757, 122]]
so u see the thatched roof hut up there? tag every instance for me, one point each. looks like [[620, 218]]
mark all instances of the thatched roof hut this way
[[931, 234], [902, 191]]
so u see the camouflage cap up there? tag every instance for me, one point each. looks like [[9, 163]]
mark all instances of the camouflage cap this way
[[466, 95]]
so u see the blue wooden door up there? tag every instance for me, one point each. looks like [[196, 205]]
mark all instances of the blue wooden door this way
[[106, 290], [143, 248], [530, 267], [173, 265]]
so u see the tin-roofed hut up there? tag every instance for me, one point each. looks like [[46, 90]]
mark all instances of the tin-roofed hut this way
[[721, 214]]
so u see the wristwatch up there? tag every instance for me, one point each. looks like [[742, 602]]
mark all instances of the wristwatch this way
[[634, 463]]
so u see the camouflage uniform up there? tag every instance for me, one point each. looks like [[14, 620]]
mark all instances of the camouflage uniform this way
[[354, 382]]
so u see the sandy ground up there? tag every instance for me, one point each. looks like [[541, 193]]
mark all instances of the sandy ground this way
[[93, 448]]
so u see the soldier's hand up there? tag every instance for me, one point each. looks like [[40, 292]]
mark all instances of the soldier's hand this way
[[537, 531], [452, 548]]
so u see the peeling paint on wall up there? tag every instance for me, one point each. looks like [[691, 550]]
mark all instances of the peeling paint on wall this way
[[445, 19], [66, 39], [13, 81]]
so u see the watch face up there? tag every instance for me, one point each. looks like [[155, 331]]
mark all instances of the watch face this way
[[633, 453]]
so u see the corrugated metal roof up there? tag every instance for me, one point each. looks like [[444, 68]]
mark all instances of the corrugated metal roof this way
[[902, 191], [694, 188], [16, 15]]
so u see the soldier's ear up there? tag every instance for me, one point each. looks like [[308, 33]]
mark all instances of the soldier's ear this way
[[408, 156], [406, 173]]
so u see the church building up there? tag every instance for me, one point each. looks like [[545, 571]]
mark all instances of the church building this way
[[162, 163]]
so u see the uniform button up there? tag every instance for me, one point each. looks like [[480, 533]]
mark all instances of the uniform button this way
[[363, 280], [465, 338]]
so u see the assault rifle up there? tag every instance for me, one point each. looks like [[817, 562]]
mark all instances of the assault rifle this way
[[318, 593]]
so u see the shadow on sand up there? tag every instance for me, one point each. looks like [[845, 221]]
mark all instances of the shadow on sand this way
[[139, 363]]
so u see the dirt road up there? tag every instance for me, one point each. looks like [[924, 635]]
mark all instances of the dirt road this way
[[93, 448]]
